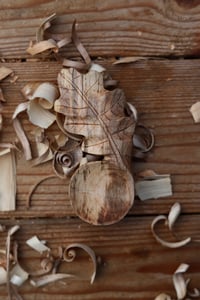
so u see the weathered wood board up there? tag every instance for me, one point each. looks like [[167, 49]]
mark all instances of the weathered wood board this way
[[107, 28], [162, 89], [132, 264]]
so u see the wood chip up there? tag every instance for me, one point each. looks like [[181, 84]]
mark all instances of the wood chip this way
[[2, 98], [3, 275], [195, 111], [4, 72], [7, 180], [18, 275], [154, 187], [37, 245]]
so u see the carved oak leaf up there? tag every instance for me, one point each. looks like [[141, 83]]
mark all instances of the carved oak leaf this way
[[99, 115]]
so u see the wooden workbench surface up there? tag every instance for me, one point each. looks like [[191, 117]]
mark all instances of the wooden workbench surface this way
[[132, 265]]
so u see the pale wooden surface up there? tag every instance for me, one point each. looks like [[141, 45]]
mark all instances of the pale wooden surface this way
[[162, 90]]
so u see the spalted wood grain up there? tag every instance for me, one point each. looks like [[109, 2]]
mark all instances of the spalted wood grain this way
[[108, 28], [131, 263], [163, 92]]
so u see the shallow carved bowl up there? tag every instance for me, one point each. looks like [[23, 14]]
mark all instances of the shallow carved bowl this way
[[101, 193]]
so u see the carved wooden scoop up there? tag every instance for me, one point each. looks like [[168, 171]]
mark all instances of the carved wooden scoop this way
[[101, 126]]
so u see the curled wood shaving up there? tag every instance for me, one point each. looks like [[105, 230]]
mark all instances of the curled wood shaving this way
[[69, 255], [47, 265], [143, 139], [79, 45], [45, 93], [37, 245], [41, 98], [46, 279], [39, 116], [195, 111], [180, 285], [194, 294], [67, 158], [154, 186], [4, 72], [43, 26], [20, 131], [179, 282], [34, 188], [11, 232], [169, 221], [41, 45], [133, 110], [17, 275], [81, 66]]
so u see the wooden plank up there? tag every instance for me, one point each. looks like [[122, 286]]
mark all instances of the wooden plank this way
[[131, 263], [162, 91], [108, 28]]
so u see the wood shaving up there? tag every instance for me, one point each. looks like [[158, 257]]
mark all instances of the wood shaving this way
[[195, 111], [11, 232], [41, 97], [46, 279], [7, 180], [44, 153], [129, 59], [143, 139], [41, 45], [180, 286], [3, 276], [2, 98], [47, 265], [169, 222], [5, 72], [153, 186], [34, 188], [163, 297], [37, 245], [18, 275], [69, 255]]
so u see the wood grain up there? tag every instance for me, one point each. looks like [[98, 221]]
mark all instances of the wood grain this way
[[162, 92], [131, 263], [108, 28]]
